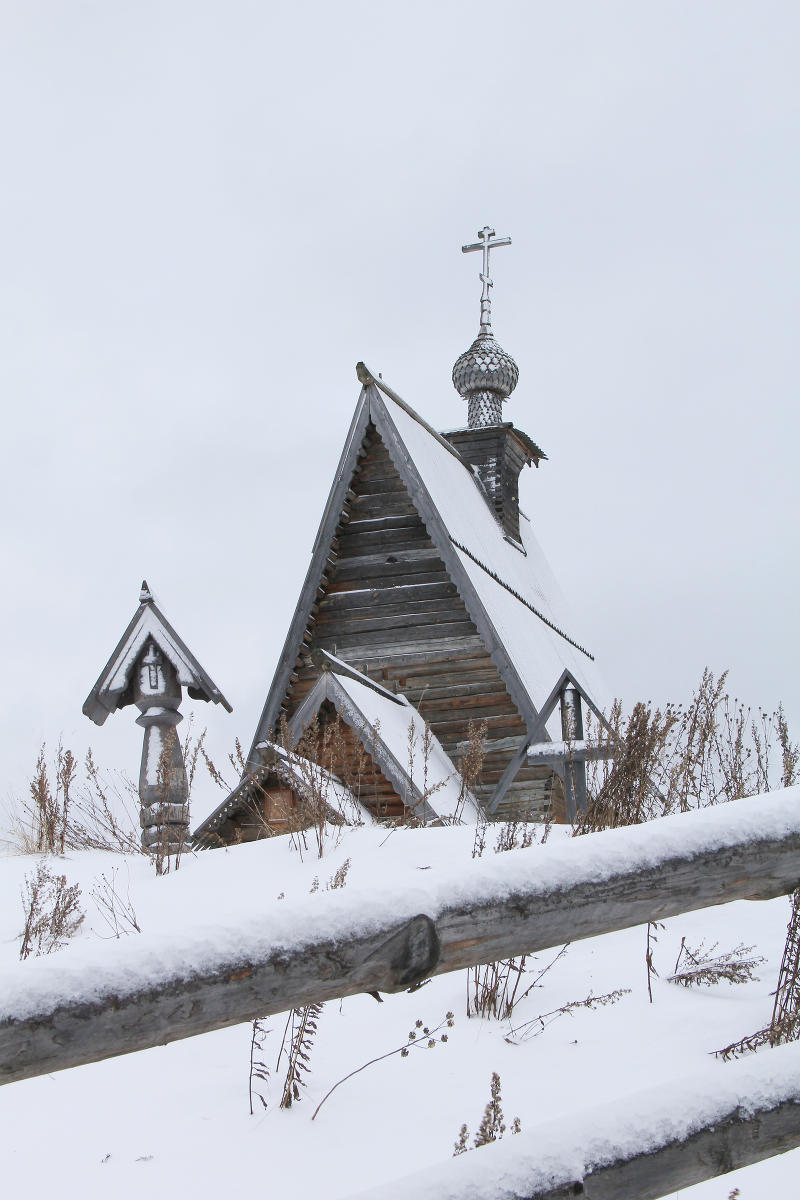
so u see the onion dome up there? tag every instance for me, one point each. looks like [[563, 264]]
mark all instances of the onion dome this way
[[485, 376]]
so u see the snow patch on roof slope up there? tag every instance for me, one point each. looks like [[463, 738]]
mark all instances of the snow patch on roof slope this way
[[537, 651], [421, 756], [148, 626]]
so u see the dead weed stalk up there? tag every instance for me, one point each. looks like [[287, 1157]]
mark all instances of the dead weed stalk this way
[[52, 912], [420, 1037], [492, 1126]]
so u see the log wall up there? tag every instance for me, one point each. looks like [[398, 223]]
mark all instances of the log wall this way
[[388, 607]]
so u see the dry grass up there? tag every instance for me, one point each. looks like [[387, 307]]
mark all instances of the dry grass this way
[[678, 758], [492, 1126], [703, 967], [52, 912], [72, 807]]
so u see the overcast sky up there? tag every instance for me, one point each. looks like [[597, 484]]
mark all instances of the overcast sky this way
[[210, 211]]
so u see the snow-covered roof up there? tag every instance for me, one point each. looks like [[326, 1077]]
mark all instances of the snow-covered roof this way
[[511, 596], [111, 691], [518, 591], [308, 779], [395, 735]]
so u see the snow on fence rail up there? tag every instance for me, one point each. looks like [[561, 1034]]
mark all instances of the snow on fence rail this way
[[646, 1145], [95, 1001]]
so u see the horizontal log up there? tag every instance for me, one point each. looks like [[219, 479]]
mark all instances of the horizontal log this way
[[453, 719], [346, 622], [464, 660], [373, 563], [402, 595], [496, 745], [450, 726], [455, 691], [376, 524], [587, 886], [386, 540], [578, 751], [411, 610], [393, 639], [706, 1128], [374, 581], [374, 479], [395, 504]]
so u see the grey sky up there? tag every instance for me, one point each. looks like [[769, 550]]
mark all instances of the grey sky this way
[[210, 211]]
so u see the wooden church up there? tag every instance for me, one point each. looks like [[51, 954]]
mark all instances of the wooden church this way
[[428, 612]]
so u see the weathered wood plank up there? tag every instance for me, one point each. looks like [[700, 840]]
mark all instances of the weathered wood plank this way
[[378, 565], [390, 542], [739, 1136], [457, 691], [448, 650], [496, 745], [345, 623], [397, 638], [502, 726], [395, 505], [398, 952], [400, 596], [377, 524], [388, 578]]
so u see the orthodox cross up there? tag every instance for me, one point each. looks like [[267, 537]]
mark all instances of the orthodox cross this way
[[487, 243]]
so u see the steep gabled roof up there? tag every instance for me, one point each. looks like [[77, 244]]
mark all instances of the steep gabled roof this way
[[112, 689], [510, 595], [395, 736]]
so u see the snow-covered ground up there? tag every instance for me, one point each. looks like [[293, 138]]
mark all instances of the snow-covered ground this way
[[176, 1119]]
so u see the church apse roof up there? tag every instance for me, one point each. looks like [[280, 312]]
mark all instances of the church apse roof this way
[[396, 736]]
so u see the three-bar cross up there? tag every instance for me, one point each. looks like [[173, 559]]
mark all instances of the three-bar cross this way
[[489, 241]]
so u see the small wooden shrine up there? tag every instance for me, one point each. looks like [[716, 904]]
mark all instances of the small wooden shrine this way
[[149, 667]]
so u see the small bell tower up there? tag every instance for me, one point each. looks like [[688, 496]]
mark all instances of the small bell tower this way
[[485, 376]]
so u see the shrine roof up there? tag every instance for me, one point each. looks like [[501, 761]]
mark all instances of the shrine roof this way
[[112, 690]]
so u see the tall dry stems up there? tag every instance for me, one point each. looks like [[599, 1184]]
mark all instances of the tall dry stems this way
[[492, 1126], [81, 809], [52, 912], [679, 758]]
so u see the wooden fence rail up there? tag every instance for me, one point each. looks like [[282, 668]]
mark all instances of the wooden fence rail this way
[[604, 882], [648, 1146]]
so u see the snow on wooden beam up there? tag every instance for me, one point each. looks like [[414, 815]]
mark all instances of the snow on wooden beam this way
[[646, 1145], [97, 1000], [577, 751]]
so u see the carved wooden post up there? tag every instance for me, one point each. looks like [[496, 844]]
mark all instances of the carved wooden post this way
[[163, 786], [574, 766], [149, 667]]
